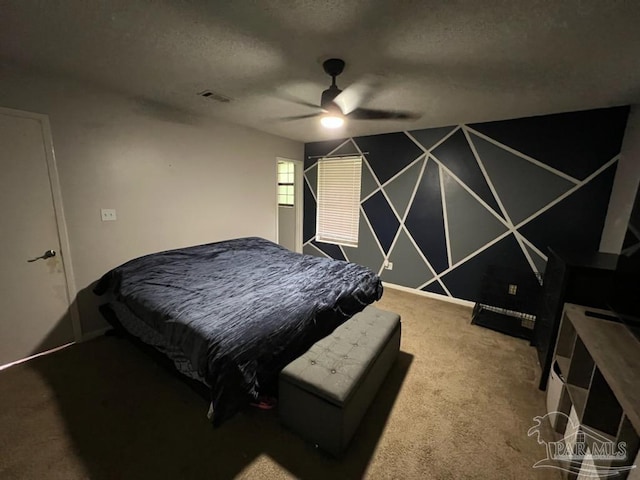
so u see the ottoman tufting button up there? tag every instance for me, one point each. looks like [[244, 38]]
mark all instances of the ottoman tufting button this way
[[313, 362], [333, 370]]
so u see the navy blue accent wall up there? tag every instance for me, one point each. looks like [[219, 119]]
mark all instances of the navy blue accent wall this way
[[456, 155], [577, 221], [576, 143], [383, 147], [383, 221], [425, 220], [564, 163], [332, 250]]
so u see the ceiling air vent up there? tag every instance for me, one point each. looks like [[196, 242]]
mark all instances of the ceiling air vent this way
[[214, 96]]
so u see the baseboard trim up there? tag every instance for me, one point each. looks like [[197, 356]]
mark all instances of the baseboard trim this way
[[46, 352], [435, 296]]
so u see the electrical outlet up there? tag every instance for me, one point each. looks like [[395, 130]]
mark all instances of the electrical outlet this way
[[513, 289], [108, 214], [388, 265]]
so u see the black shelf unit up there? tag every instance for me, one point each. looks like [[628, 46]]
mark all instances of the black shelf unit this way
[[570, 277]]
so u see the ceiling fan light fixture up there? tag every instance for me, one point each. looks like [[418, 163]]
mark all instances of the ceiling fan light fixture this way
[[332, 121]]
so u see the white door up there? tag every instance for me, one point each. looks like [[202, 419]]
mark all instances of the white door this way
[[290, 178], [34, 302]]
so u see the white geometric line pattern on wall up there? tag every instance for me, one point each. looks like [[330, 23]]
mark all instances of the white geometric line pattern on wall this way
[[399, 189], [532, 254], [435, 145], [513, 229], [310, 249], [379, 184], [632, 248], [445, 215], [469, 257], [453, 265], [403, 228], [465, 213], [487, 178], [468, 189], [343, 253], [311, 177], [370, 172], [522, 186], [430, 138], [534, 249], [426, 261], [369, 252], [535, 266], [568, 193], [370, 183], [408, 267], [522, 241], [522, 155], [349, 147], [385, 184], [388, 200], [435, 276], [505, 212], [402, 220], [458, 200]]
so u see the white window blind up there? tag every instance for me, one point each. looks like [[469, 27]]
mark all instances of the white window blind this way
[[338, 215]]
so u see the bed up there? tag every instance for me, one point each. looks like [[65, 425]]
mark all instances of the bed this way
[[233, 314]]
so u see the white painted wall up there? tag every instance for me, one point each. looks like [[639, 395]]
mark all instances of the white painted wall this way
[[174, 179], [287, 227], [290, 218], [625, 187]]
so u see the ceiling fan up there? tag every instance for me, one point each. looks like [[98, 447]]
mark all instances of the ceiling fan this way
[[336, 104]]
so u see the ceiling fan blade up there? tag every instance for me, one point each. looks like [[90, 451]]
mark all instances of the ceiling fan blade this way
[[300, 117], [371, 114], [356, 94], [293, 99]]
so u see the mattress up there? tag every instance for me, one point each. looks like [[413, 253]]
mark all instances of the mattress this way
[[235, 313], [148, 335]]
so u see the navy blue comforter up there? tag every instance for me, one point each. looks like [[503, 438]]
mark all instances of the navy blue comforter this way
[[241, 309]]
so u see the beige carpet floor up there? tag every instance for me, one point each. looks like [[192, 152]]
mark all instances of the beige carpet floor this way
[[457, 404]]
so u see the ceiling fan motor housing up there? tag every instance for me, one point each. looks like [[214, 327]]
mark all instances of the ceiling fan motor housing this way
[[328, 96], [332, 67]]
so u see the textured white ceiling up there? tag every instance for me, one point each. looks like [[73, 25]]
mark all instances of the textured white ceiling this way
[[450, 61]]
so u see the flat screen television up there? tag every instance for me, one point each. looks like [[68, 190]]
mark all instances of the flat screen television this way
[[624, 295]]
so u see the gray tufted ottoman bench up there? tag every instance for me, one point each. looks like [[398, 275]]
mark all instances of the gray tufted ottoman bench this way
[[325, 392]]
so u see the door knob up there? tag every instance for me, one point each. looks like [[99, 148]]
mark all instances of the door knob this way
[[44, 256]]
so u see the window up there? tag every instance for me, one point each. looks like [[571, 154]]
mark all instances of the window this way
[[338, 216], [286, 184]]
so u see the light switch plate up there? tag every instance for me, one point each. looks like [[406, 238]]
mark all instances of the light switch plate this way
[[108, 214]]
